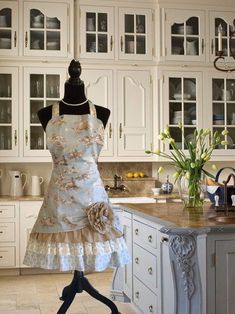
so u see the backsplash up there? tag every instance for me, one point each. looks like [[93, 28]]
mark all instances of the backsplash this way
[[107, 171]]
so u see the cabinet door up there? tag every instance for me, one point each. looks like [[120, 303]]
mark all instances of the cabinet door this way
[[97, 32], [225, 277], [46, 29], [182, 102], [127, 231], [8, 28], [134, 113], [42, 87], [184, 35], [9, 142], [135, 34], [28, 215], [223, 20], [100, 91], [221, 109]]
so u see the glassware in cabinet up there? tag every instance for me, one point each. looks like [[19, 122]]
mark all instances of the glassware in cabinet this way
[[223, 109], [8, 112], [44, 90], [135, 34], [98, 38], [184, 31], [8, 28]]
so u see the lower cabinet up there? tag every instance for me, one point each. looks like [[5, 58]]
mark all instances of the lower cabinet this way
[[9, 234], [28, 215], [16, 222]]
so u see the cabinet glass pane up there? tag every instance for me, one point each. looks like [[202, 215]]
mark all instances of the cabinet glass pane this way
[[129, 44], [185, 37], [45, 32], [37, 138], [5, 28], [221, 23], [5, 85], [36, 85], [135, 34], [5, 111], [52, 86], [129, 23], [140, 44], [90, 21], [182, 107], [91, 43], [35, 105], [102, 22], [140, 24], [102, 43], [5, 137], [223, 108]]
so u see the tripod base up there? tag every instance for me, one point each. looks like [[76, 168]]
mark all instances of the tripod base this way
[[78, 285]]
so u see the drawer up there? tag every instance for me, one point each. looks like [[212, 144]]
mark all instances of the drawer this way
[[7, 211], [7, 231], [144, 234], [145, 299], [145, 266], [7, 257]]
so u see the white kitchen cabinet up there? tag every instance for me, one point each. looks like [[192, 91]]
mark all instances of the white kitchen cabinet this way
[[9, 234], [42, 87], [221, 109], [184, 34], [130, 38], [127, 273], [182, 102], [35, 29], [224, 20], [9, 132], [123, 92], [9, 22], [99, 89], [28, 214]]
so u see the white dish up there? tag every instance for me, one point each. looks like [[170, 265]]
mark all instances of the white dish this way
[[37, 25], [177, 96], [156, 191], [194, 122], [52, 25], [190, 88], [218, 122], [53, 45]]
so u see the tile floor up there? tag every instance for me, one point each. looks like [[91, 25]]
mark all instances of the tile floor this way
[[39, 294]]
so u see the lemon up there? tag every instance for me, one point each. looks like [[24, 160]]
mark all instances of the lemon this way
[[136, 174], [141, 174], [130, 175]]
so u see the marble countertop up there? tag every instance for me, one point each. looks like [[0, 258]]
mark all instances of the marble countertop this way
[[9, 198], [176, 216]]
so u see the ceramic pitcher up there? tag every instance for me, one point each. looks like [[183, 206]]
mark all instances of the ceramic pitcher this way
[[16, 184], [36, 185]]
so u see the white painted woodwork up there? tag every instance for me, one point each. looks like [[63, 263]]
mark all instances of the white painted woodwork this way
[[134, 113], [99, 89], [8, 256]]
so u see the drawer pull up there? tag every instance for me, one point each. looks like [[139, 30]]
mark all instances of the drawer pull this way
[[137, 294], [136, 231], [1, 256], [0, 211], [150, 238], [164, 239], [150, 270], [1, 231], [137, 260], [150, 309]]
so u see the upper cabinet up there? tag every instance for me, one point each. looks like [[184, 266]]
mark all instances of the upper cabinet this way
[[184, 35], [129, 38], [35, 29], [223, 21]]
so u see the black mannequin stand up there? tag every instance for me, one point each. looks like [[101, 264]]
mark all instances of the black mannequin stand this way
[[78, 285]]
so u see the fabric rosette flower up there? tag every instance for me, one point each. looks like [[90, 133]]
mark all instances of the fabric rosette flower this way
[[100, 216]]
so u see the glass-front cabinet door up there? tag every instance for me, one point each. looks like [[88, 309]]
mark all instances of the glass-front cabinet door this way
[[9, 135], [221, 114], [45, 29], [43, 87], [221, 22], [8, 28], [184, 35], [182, 103], [97, 32], [135, 34]]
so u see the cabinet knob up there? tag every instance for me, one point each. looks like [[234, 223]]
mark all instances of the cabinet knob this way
[[26, 39], [1, 256], [0, 211], [150, 309], [1, 231], [26, 137], [15, 137], [15, 39], [164, 239], [150, 270], [121, 43], [136, 231], [150, 238], [120, 130], [137, 294], [137, 260], [111, 43]]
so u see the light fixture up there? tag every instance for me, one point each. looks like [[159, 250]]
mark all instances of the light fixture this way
[[225, 67]]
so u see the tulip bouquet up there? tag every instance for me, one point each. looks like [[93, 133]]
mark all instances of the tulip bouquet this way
[[190, 162]]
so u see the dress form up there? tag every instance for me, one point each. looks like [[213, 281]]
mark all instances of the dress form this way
[[74, 101]]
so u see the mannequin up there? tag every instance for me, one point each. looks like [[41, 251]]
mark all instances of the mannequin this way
[[74, 100]]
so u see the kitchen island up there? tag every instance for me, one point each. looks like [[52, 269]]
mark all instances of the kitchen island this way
[[183, 261]]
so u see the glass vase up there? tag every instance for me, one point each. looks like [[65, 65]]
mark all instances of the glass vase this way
[[192, 191]]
